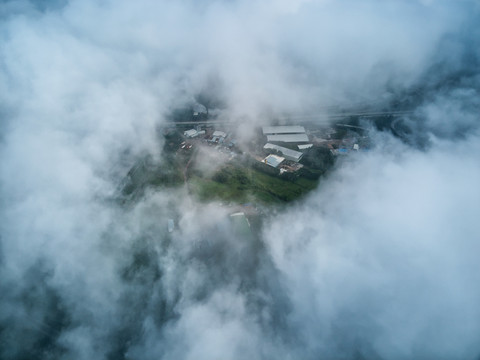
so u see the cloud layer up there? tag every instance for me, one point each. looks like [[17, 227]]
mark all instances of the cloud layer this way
[[378, 262]]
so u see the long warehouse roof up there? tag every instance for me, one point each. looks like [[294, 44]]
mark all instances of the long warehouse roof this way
[[270, 130], [290, 138], [288, 153]]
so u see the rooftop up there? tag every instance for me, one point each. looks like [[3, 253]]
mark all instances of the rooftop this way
[[269, 130], [288, 153], [273, 160], [304, 147], [290, 138], [190, 133], [219, 133]]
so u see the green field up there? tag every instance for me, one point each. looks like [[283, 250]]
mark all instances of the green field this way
[[238, 183]]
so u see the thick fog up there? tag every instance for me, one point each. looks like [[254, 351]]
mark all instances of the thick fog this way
[[379, 262]]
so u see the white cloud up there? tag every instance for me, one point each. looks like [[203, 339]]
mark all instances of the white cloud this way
[[383, 255], [380, 260]]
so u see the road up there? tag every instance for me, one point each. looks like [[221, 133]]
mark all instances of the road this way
[[325, 118]]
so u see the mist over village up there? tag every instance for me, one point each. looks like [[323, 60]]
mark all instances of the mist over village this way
[[239, 179]]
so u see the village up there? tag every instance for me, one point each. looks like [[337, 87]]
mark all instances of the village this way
[[208, 160], [280, 163], [280, 148]]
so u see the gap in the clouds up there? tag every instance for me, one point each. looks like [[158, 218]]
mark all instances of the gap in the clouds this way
[[212, 161], [206, 151]]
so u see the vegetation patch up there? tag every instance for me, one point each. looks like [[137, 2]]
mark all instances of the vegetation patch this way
[[238, 183]]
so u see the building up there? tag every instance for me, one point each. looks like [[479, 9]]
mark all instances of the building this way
[[288, 138], [289, 154], [287, 134], [273, 160], [305, 147], [190, 133], [193, 133], [277, 130], [219, 134]]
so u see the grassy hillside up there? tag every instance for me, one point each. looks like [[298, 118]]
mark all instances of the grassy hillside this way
[[238, 183], [238, 180]]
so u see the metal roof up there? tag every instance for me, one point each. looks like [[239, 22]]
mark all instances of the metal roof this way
[[288, 153], [304, 147], [190, 133], [219, 133], [292, 138], [270, 130], [273, 160]]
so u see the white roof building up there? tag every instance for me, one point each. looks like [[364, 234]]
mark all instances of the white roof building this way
[[219, 133], [289, 138], [272, 130], [190, 133], [305, 147], [273, 160], [288, 153]]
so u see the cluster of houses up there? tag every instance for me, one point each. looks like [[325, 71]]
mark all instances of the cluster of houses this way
[[281, 140], [217, 136], [220, 139]]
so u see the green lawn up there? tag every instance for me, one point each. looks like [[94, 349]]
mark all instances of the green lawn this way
[[236, 183]]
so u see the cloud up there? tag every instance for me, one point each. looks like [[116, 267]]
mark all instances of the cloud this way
[[382, 256], [378, 262]]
